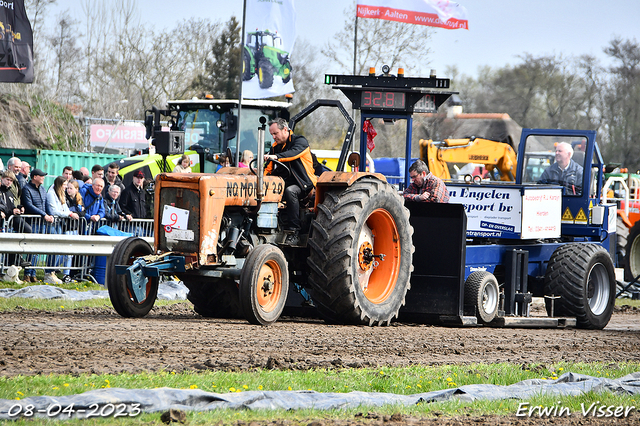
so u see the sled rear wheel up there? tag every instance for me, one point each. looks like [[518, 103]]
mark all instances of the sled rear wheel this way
[[583, 276]]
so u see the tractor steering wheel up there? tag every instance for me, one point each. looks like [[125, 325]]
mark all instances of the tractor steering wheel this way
[[276, 164]]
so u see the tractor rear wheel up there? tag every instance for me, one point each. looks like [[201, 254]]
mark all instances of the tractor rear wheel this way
[[583, 276], [247, 71], [125, 253], [264, 285], [214, 299], [481, 292], [632, 253], [361, 254], [265, 73]]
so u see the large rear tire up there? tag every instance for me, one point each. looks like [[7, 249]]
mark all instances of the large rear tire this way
[[265, 73], [632, 253], [264, 285], [125, 253], [214, 298], [481, 291], [349, 282], [583, 276]]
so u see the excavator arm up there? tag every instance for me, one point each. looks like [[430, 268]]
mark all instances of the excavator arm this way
[[492, 154]]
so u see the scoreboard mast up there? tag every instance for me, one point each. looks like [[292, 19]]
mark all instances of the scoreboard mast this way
[[391, 97]]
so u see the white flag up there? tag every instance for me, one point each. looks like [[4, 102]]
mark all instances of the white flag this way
[[270, 34], [433, 13]]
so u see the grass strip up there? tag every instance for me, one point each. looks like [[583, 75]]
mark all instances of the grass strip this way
[[407, 380]]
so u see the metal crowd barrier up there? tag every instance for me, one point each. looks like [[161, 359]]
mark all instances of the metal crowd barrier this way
[[69, 246]]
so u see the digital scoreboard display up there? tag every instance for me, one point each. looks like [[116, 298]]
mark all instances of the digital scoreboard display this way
[[382, 99]]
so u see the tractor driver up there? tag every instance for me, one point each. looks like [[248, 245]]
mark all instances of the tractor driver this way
[[564, 171], [293, 151]]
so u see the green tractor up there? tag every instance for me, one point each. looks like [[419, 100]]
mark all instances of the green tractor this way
[[263, 55]]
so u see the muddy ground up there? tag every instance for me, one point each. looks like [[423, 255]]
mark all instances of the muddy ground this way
[[174, 338]]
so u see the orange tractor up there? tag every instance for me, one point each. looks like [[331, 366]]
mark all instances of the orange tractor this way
[[219, 233]]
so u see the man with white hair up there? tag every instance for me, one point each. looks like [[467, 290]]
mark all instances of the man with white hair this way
[[15, 165], [564, 171]]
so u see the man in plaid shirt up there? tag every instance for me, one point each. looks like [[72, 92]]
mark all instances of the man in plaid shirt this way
[[425, 186]]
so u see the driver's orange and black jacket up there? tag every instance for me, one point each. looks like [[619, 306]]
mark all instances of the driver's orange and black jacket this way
[[296, 154]]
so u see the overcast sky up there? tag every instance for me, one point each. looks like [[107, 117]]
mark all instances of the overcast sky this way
[[499, 30]]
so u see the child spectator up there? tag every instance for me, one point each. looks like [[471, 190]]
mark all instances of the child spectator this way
[[184, 165]]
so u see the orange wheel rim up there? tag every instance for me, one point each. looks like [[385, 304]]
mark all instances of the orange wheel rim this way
[[269, 285], [382, 280]]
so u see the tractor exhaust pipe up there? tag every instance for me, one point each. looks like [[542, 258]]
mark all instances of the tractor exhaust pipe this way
[[260, 161]]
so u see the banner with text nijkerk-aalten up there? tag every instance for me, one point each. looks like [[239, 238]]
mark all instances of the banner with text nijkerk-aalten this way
[[432, 13]]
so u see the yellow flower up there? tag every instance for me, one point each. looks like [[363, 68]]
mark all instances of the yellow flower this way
[[381, 373], [289, 388], [17, 398], [193, 387], [560, 369], [260, 387], [56, 388], [452, 384], [66, 385], [449, 379], [20, 393], [232, 389], [245, 386], [418, 385], [61, 307]]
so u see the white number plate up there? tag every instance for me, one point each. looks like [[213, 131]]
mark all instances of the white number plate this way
[[180, 235]]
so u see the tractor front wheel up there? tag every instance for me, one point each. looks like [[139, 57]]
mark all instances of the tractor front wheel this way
[[582, 275], [125, 253], [265, 73], [361, 254], [264, 285]]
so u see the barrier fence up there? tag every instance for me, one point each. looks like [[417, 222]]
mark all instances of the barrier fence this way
[[66, 246]]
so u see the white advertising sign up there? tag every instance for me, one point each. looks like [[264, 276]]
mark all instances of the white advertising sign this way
[[492, 211], [541, 213]]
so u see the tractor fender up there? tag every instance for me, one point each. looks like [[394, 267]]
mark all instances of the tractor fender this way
[[332, 180]]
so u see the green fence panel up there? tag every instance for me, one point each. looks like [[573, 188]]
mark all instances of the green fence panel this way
[[52, 162]]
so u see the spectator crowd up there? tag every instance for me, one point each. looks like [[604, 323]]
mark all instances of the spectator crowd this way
[[78, 202]]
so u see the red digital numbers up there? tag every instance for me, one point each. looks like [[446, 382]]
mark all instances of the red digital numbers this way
[[382, 100]]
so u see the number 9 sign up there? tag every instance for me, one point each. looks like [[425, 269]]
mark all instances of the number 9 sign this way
[[174, 218]]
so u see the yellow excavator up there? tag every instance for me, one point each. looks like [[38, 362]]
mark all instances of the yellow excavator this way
[[494, 156]]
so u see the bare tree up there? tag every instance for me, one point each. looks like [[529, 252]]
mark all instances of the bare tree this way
[[379, 42], [621, 105], [66, 55], [221, 77]]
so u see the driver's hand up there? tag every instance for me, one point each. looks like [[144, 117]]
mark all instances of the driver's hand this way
[[268, 157]]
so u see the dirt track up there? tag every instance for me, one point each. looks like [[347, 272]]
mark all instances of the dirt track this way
[[175, 338]]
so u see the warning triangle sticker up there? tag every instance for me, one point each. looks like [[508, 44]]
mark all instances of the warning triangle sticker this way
[[581, 217], [567, 216]]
